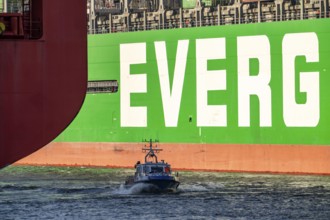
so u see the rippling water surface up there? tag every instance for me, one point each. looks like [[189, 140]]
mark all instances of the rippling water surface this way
[[93, 193]]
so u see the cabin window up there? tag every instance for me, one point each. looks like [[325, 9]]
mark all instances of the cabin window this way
[[156, 169], [104, 86], [167, 170]]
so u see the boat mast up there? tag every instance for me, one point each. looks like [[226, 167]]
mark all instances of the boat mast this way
[[151, 152]]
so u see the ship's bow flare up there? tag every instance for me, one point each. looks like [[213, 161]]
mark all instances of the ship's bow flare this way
[[43, 74]]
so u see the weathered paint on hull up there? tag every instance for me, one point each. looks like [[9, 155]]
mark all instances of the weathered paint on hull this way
[[270, 158]]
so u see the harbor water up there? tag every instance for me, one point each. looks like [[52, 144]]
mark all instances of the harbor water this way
[[98, 193]]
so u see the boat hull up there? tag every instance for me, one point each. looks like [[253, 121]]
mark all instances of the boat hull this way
[[155, 185]]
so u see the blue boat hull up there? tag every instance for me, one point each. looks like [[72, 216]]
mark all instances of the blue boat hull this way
[[156, 184], [162, 185]]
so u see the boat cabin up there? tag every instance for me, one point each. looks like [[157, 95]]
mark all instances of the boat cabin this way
[[153, 168], [158, 174]]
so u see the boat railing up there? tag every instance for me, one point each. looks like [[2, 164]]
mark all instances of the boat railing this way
[[13, 25], [22, 20]]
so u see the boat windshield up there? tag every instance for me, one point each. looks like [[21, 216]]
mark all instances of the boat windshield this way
[[156, 169]]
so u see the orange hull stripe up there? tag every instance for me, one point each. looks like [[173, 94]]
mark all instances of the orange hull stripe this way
[[211, 157]]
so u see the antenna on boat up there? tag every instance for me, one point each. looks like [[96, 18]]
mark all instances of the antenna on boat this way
[[151, 152]]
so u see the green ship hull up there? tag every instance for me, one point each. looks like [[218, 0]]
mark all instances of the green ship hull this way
[[252, 97], [166, 95]]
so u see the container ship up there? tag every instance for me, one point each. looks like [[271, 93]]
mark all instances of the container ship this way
[[235, 86]]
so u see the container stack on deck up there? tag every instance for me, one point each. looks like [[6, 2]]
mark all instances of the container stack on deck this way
[[107, 16]]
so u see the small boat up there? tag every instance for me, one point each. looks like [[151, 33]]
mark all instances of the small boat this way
[[154, 176]]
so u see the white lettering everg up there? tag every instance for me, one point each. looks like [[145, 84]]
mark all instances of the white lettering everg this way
[[307, 114], [207, 80], [254, 47], [134, 53], [248, 47], [171, 99]]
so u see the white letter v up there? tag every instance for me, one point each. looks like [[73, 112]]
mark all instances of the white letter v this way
[[171, 99]]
